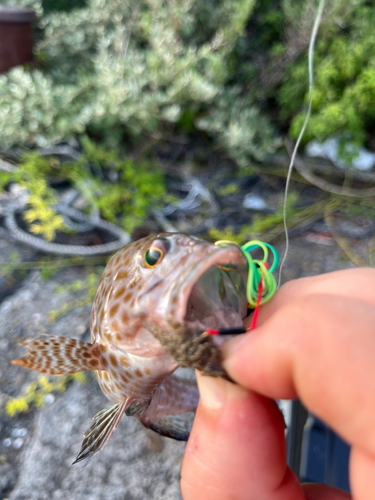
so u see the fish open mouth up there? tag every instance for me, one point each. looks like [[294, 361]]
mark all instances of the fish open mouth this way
[[209, 291], [217, 297]]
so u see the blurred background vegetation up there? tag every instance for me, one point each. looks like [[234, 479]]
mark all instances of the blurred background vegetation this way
[[119, 69]]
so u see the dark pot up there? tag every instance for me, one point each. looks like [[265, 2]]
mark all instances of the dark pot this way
[[16, 37]]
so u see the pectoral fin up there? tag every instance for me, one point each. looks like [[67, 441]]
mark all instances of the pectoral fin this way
[[97, 436], [173, 426], [172, 408], [60, 355]]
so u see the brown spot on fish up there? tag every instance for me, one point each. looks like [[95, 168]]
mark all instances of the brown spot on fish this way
[[147, 371], [114, 310], [115, 328], [119, 292], [124, 361], [95, 351], [121, 275], [113, 360], [138, 372], [127, 297], [135, 282]]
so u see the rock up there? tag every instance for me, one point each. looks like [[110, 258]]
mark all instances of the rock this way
[[329, 149], [130, 466], [254, 202]]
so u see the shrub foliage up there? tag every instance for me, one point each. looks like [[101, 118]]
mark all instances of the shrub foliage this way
[[117, 68]]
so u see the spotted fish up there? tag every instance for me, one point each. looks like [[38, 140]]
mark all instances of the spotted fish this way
[[155, 299]]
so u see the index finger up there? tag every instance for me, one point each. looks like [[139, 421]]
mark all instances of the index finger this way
[[320, 348], [357, 284]]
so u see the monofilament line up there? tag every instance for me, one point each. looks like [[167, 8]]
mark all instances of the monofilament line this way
[[311, 87]]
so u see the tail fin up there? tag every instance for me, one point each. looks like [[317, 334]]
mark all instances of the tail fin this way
[[60, 355]]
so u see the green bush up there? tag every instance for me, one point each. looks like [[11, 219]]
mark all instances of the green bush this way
[[344, 91], [118, 68]]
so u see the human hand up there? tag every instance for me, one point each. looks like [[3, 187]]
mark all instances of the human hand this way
[[315, 340]]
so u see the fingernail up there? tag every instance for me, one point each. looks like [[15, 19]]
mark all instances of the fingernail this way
[[215, 392]]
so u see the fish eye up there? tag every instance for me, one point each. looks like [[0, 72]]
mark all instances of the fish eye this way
[[153, 256]]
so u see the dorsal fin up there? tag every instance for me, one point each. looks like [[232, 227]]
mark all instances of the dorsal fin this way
[[60, 355]]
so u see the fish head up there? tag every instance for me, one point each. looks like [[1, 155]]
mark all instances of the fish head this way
[[171, 287], [194, 284]]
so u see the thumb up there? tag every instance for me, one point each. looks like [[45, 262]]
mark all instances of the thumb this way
[[237, 447]]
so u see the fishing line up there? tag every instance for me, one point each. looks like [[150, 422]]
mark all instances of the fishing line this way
[[314, 33], [261, 284], [259, 271]]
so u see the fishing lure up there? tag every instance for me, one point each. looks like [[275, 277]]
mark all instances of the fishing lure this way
[[156, 300]]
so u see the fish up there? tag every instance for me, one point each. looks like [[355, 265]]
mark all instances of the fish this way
[[155, 300]]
